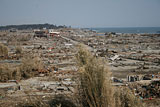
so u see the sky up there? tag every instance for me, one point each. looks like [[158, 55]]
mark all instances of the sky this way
[[81, 13]]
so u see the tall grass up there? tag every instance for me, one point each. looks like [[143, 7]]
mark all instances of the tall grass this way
[[96, 89], [3, 50]]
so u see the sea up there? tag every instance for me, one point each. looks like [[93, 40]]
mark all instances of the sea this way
[[131, 30]]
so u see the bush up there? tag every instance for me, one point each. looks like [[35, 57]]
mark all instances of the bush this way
[[9, 73], [125, 98], [18, 50], [3, 50], [96, 89], [30, 66]]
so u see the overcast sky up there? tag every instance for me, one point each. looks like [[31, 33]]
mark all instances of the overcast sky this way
[[82, 13]]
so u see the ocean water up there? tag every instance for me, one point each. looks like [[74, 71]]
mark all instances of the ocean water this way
[[150, 30]]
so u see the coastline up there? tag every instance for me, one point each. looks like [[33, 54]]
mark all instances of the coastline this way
[[128, 30]]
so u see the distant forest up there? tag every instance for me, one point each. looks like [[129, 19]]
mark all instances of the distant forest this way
[[31, 26]]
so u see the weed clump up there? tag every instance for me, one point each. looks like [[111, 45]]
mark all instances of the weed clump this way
[[30, 66], [3, 50], [125, 98], [18, 50], [9, 73]]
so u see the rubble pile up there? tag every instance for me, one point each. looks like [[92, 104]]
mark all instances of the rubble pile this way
[[150, 90], [57, 75], [127, 53]]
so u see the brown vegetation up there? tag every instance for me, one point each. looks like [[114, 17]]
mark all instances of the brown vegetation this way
[[18, 38], [37, 101], [29, 68], [3, 50], [18, 50], [24, 38], [125, 98], [96, 88], [33, 102], [9, 73]]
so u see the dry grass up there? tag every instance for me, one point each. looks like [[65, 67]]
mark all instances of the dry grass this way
[[39, 101], [97, 90], [9, 73], [95, 85], [30, 66], [125, 98], [3, 50], [18, 50], [33, 101], [19, 38], [24, 38]]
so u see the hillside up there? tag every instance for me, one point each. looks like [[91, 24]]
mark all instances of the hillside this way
[[31, 26]]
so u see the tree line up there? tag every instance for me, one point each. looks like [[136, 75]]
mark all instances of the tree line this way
[[31, 26]]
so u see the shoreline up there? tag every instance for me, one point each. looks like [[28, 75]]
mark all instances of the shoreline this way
[[128, 30]]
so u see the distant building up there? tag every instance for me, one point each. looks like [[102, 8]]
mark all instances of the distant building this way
[[13, 30], [53, 33], [40, 33]]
